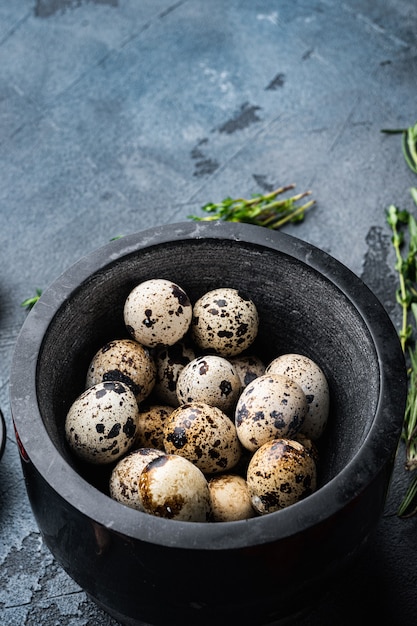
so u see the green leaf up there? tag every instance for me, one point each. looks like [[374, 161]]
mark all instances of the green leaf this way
[[409, 146], [261, 210], [29, 303], [408, 506]]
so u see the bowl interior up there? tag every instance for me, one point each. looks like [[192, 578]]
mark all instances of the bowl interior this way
[[301, 310]]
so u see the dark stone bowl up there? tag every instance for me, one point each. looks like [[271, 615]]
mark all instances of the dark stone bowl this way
[[147, 570], [2, 434]]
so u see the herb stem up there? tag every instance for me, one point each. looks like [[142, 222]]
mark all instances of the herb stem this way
[[265, 210], [406, 267]]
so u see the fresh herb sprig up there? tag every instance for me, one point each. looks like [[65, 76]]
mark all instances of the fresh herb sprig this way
[[408, 143], [404, 239], [262, 210], [29, 303]]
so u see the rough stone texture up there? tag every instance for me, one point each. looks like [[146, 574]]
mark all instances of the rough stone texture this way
[[116, 115]]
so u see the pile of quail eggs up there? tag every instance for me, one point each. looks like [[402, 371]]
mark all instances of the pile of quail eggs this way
[[194, 426]]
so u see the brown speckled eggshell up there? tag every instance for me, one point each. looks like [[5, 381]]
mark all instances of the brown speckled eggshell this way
[[224, 322], [157, 312], [101, 424], [151, 425], [270, 406], [124, 479], [204, 435], [172, 487], [230, 498], [211, 379], [126, 361], [169, 361], [309, 445], [313, 382], [280, 473], [248, 368]]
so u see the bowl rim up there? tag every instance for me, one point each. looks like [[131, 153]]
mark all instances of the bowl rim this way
[[3, 433], [381, 440]]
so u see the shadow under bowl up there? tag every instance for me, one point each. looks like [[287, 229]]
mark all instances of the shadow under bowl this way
[[144, 569]]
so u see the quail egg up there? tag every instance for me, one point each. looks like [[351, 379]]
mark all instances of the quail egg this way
[[172, 487], [309, 445], [169, 361], [156, 312], [211, 379], [151, 424], [313, 382], [224, 321], [280, 473], [101, 424], [230, 498], [128, 362], [204, 435], [248, 368], [124, 479], [270, 406]]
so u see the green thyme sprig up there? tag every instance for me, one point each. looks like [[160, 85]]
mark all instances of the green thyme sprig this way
[[409, 146], [408, 143], [404, 239], [29, 303], [410, 419], [400, 221], [262, 210]]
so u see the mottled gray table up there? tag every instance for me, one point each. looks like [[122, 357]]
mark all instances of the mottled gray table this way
[[116, 115]]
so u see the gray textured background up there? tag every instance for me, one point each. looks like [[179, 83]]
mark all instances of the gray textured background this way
[[117, 115]]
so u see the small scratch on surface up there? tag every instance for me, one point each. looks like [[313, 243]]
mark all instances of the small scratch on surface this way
[[380, 30], [370, 23], [272, 17], [15, 28], [18, 90], [321, 59], [171, 8], [53, 125], [91, 162], [343, 126]]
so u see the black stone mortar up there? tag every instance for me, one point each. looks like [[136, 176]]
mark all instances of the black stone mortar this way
[[2, 433], [143, 569]]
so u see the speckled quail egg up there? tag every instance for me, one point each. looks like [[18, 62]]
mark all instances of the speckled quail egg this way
[[309, 445], [156, 312], [172, 487], [169, 361], [248, 368], [280, 473], [128, 362], [151, 424], [124, 479], [204, 435], [230, 498], [313, 382], [101, 424], [270, 406], [211, 379], [224, 322]]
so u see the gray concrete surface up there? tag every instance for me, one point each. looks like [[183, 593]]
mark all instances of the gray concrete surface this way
[[116, 115]]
